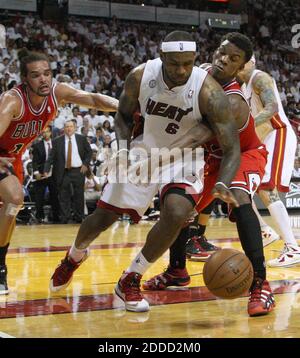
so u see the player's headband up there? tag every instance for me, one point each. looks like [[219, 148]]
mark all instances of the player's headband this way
[[178, 46]]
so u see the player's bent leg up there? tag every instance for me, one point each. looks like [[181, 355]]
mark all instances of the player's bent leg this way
[[100, 220], [176, 210], [12, 196], [197, 247], [261, 300], [91, 227]]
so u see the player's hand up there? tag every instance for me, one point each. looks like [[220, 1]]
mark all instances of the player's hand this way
[[221, 191], [6, 163]]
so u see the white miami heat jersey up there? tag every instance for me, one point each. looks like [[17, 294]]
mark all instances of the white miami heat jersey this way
[[168, 114], [280, 119]]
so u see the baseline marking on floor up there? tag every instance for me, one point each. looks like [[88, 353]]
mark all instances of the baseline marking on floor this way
[[5, 335]]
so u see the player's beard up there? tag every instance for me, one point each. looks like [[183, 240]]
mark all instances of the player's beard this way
[[174, 81], [37, 92]]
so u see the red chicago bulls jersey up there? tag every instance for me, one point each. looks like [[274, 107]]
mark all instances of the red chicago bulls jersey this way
[[248, 137], [27, 126]]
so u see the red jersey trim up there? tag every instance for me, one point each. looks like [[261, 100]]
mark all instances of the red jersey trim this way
[[42, 108], [195, 196], [119, 211], [277, 163], [236, 91], [19, 93], [277, 122], [54, 96], [246, 124], [229, 83]]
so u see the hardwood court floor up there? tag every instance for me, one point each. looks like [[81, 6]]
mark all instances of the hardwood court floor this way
[[88, 308]]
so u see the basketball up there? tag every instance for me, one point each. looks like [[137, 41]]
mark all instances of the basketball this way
[[228, 273]]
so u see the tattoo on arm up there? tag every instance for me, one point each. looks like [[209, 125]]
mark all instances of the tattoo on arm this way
[[263, 86], [223, 124], [239, 108]]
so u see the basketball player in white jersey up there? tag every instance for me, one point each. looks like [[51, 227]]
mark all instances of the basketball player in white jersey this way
[[275, 131], [173, 96]]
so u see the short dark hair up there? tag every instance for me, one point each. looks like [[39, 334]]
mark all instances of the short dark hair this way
[[26, 57], [178, 36], [48, 126], [241, 41]]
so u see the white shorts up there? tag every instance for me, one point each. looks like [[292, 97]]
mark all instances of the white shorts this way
[[281, 145], [135, 199]]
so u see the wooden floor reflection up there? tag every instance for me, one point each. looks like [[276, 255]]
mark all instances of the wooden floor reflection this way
[[88, 307]]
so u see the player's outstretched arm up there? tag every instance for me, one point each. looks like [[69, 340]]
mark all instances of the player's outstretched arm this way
[[67, 94], [263, 86], [128, 105], [215, 106]]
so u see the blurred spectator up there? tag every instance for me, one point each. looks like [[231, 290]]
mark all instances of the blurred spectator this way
[[40, 154], [78, 117], [106, 117], [95, 162], [93, 118], [107, 130], [92, 190], [70, 157], [99, 137]]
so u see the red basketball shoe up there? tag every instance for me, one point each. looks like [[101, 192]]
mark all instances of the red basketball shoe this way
[[198, 248], [63, 274], [170, 277], [128, 289], [261, 300]]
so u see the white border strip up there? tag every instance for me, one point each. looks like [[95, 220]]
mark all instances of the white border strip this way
[[5, 335]]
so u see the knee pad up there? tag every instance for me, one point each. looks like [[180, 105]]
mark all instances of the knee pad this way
[[13, 209]]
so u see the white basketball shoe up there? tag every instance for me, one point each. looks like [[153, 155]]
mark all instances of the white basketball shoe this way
[[269, 235], [290, 256]]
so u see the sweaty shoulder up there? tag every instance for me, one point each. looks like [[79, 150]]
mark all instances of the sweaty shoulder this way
[[10, 102], [135, 75], [133, 80]]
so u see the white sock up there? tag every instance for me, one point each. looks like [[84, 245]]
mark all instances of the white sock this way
[[76, 254], [139, 264], [262, 223], [281, 218]]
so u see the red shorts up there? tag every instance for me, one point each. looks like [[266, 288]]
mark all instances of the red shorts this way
[[248, 176]]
